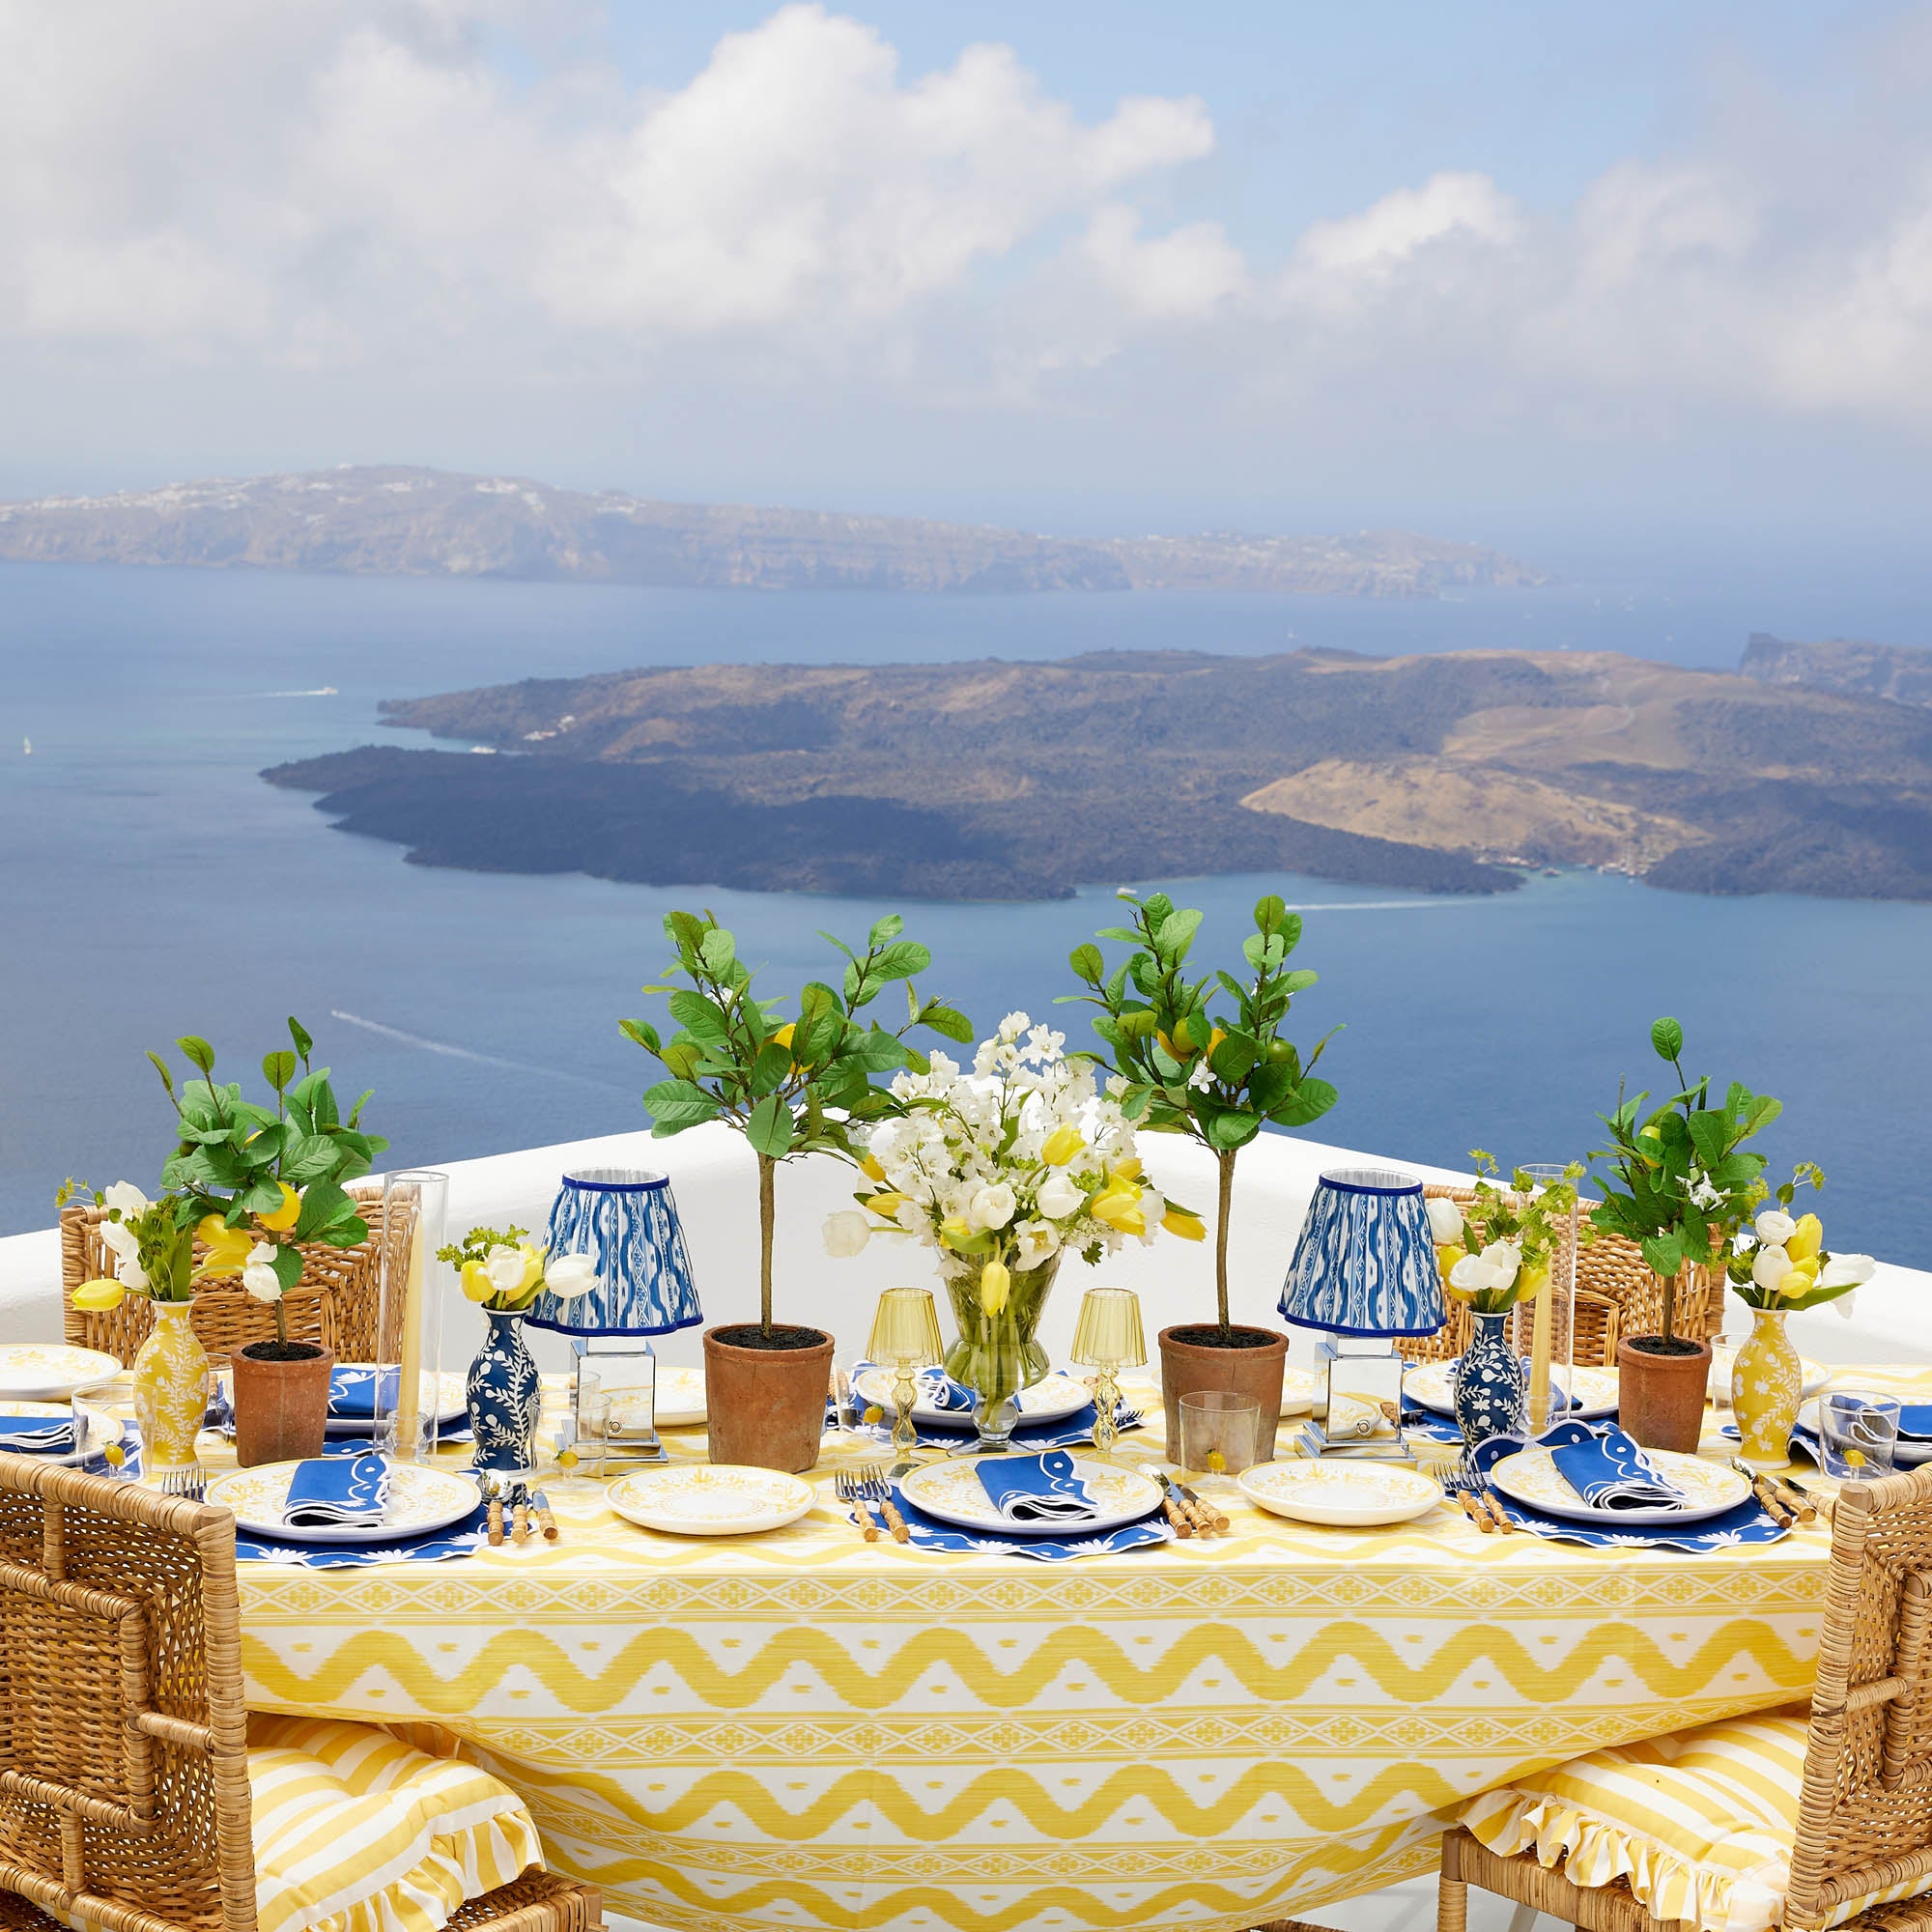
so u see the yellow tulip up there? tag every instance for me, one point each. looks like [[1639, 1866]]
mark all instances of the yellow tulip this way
[[995, 1284], [1446, 1259], [1061, 1145], [476, 1283], [1809, 1238], [870, 1167], [533, 1260], [1120, 1208], [1529, 1286], [954, 1232], [227, 1247], [1801, 1279], [97, 1296], [886, 1204], [1123, 1171], [287, 1215], [1190, 1227]]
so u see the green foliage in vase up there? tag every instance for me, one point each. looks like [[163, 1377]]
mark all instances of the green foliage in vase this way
[[1684, 1181], [1184, 1070], [790, 1086]]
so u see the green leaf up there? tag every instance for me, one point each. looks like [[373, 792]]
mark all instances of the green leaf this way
[[771, 1069], [718, 949], [1234, 1059], [161, 1067], [288, 1266], [1175, 935], [1088, 963], [1662, 1254], [769, 1129], [642, 1032], [1667, 1038], [324, 1206], [701, 1017], [1269, 913], [1125, 933], [900, 960], [833, 940], [948, 1021], [300, 1034], [197, 1052], [885, 931], [278, 1068], [1308, 1102], [676, 1104]]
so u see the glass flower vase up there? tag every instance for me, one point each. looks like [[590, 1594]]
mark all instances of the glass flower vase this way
[[996, 1356], [1767, 1382]]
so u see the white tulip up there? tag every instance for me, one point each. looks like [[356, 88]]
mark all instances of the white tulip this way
[[1038, 1241], [991, 1206], [1058, 1196], [1474, 1275], [567, 1276], [259, 1276], [1506, 1258], [1445, 1221], [1775, 1227], [846, 1234], [1771, 1267], [505, 1266], [1843, 1304], [1847, 1271], [132, 1274], [121, 1237], [126, 1197]]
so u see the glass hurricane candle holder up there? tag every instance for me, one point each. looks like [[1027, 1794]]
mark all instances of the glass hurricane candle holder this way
[[905, 1338], [1108, 1338]]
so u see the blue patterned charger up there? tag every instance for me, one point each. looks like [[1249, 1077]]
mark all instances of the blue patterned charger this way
[[928, 1533], [436, 1546], [1748, 1522]]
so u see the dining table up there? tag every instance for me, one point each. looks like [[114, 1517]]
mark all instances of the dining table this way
[[801, 1728]]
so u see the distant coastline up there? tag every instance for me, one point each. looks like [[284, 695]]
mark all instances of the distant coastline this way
[[1451, 773]]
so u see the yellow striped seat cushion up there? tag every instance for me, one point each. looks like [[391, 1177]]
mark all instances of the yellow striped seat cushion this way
[[1701, 1823], [357, 1832]]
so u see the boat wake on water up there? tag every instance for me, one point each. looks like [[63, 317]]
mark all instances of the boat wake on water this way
[[451, 1052]]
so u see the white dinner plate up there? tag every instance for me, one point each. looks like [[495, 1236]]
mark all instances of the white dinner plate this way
[[680, 1397], [1430, 1385], [1052, 1400], [1341, 1495], [101, 1429], [1906, 1453], [50, 1371], [952, 1491], [710, 1498], [421, 1499], [452, 1402], [1813, 1375], [1708, 1489]]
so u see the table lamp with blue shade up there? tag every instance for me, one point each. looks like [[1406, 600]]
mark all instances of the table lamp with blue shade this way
[[625, 1219], [1364, 1272]]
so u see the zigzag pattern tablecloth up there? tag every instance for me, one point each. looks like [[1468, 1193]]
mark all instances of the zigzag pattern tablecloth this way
[[803, 1730]]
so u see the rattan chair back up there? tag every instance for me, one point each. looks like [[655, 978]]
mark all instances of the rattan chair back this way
[[334, 1303], [123, 1785]]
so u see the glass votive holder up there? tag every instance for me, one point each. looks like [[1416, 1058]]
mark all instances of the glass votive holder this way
[[1858, 1434], [97, 1431], [592, 1417], [1220, 1433]]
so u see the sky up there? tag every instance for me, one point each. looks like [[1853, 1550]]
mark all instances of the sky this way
[[1503, 271]]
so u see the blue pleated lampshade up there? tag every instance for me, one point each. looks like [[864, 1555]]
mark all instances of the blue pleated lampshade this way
[[1365, 1263], [625, 1219]]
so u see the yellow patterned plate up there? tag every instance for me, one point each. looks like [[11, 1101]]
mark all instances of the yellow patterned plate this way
[[1430, 1385], [680, 1397], [1051, 1400], [1708, 1489], [952, 1491], [50, 1371], [1344, 1494], [1815, 1375], [420, 1498], [710, 1498]]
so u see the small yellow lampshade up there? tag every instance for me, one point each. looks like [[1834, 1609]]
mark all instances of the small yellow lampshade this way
[[905, 1330], [1108, 1335]]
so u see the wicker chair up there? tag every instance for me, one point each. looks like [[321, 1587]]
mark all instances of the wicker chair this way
[[334, 1303], [1864, 1812], [124, 1743]]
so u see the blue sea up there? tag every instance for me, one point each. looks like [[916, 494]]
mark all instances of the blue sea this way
[[151, 885]]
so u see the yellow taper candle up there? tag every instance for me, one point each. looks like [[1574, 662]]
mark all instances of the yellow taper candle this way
[[1539, 1357]]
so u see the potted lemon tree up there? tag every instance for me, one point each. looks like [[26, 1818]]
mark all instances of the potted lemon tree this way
[[791, 1085]]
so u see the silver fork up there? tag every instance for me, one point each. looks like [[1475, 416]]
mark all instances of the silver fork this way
[[1463, 1486], [876, 1482], [851, 1490]]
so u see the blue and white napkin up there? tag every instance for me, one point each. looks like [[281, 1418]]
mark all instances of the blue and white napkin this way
[[1036, 1489], [351, 1391], [938, 1390], [337, 1491], [929, 1533], [1609, 1472], [37, 1434], [1914, 1421]]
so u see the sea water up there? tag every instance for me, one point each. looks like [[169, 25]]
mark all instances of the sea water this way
[[151, 885]]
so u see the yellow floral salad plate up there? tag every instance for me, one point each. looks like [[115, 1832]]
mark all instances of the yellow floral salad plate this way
[[1430, 1385], [421, 1499], [952, 1491], [710, 1500], [1708, 1488], [50, 1371], [1052, 1400], [1352, 1495], [680, 1397]]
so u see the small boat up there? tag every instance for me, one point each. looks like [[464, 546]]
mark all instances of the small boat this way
[[26, 747]]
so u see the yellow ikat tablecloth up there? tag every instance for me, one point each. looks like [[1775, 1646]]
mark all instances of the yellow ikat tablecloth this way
[[800, 1729]]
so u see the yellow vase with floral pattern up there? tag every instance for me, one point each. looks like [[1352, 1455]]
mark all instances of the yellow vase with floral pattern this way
[[1767, 1382], [171, 1377]]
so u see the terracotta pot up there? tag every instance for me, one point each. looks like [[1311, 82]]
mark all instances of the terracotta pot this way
[[766, 1405], [281, 1408], [1187, 1368], [1660, 1398]]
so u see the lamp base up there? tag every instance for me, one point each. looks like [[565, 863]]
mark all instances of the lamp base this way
[[1358, 1400]]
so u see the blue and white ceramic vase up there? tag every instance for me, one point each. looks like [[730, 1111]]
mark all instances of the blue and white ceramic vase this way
[[1491, 1388], [505, 1398]]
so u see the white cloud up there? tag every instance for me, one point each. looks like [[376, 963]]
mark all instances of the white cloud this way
[[1383, 237], [1182, 275]]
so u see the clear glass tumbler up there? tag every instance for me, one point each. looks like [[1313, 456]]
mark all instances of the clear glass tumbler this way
[[1858, 1434], [1220, 1433]]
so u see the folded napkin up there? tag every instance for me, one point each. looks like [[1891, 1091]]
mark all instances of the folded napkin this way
[[1608, 1471], [37, 1434], [1915, 1420], [938, 1390], [352, 1392], [929, 1533], [1036, 1489], [337, 1490]]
